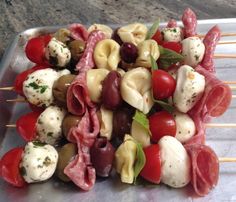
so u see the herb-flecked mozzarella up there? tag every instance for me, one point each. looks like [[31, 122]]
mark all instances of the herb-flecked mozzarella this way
[[185, 127], [172, 34], [49, 125], [175, 162], [193, 51], [38, 162], [189, 88], [57, 53], [37, 87]]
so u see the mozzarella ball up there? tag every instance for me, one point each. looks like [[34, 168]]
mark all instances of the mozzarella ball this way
[[38, 162], [136, 89], [104, 28], [49, 125], [175, 162], [189, 88], [38, 86], [173, 34], [133, 33], [57, 53], [193, 51], [185, 127], [140, 134]]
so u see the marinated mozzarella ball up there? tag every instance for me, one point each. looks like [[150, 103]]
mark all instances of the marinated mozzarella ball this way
[[193, 50], [140, 134], [133, 33], [185, 127], [38, 162], [189, 88], [136, 89], [38, 86], [57, 53], [104, 28], [174, 34], [175, 162], [49, 125]]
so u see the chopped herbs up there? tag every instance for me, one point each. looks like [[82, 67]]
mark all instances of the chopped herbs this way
[[35, 86], [38, 144], [47, 161]]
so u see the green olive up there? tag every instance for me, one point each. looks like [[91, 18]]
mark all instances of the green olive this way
[[62, 35], [60, 87], [76, 48], [68, 122], [65, 155]]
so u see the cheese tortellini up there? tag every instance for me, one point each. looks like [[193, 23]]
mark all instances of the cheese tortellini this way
[[133, 33], [94, 80], [136, 89], [107, 54], [104, 28], [125, 158], [140, 134], [105, 118], [145, 50]]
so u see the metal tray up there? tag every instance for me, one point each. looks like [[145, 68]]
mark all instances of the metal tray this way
[[223, 141]]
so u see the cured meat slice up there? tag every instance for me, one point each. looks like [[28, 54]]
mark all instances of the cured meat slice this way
[[78, 32], [87, 62], [189, 20], [77, 96], [171, 23], [205, 168], [210, 41], [216, 98]]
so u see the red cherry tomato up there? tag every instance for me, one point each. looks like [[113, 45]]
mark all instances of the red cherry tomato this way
[[26, 125], [161, 124], [35, 49], [163, 84], [158, 37], [175, 46], [152, 168], [9, 167], [18, 85]]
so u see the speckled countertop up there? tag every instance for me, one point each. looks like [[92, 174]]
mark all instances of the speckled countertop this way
[[17, 16]]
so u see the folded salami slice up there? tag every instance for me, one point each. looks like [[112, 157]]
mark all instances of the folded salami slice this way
[[216, 98], [210, 41], [87, 62], [189, 20], [205, 168], [78, 32], [171, 23]]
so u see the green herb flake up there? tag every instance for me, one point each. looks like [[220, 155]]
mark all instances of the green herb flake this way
[[23, 171], [165, 105], [35, 86], [153, 63], [47, 161], [43, 89], [38, 144], [142, 119], [50, 134], [153, 29]]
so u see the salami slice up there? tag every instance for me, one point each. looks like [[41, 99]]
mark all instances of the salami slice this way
[[216, 98], [78, 32], [210, 41], [86, 62], [189, 20], [171, 23], [77, 96], [205, 168]]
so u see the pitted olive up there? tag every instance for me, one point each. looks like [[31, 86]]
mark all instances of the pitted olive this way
[[68, 122], [76, 48]]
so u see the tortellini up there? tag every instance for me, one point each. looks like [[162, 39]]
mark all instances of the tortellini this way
[[106, 123], [107, 54], [94, 80], [125, 158], [133, 33], [145, 50], [140, 134], [136, 89], [104, 28]]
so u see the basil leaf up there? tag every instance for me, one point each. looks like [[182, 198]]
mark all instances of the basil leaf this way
[[169, 57], [153, 29], [140, 161], [142, 119], [153, 63], [165, 105]]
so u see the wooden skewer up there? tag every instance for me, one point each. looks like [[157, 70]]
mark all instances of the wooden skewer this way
[[221, 56], [220, 125], [226, 159], [7, 88], [230, 82], [222, 35], [226, 42], [17, 100], [11, 126]]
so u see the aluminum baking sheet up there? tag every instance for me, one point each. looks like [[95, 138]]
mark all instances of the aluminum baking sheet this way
[[223, 141]]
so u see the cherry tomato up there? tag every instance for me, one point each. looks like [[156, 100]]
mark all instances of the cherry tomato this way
[[18, 85], [158, 37], [26, 125], [163, 84], [161, 124], [175, 46], [35, 49], [152, 168], [9, 167]]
